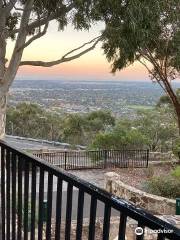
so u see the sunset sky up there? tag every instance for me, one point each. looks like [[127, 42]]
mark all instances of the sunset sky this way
[[92, 66]]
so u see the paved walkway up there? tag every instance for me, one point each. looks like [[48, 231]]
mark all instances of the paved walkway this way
[[94, 176]]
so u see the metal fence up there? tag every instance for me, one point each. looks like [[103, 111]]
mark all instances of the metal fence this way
[[26, 182], [73, 160]]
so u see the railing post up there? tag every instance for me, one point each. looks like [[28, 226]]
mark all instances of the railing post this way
[[105, 158], [177, 206], [65, 167], [147, 159]]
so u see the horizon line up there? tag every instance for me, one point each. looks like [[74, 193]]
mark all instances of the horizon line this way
[[94, 80]]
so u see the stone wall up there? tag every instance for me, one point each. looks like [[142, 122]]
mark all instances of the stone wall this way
[[161, 156], [153, 203]]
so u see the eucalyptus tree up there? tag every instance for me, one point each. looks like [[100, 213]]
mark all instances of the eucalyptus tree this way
[[158, 126], [146, 31], [165, 100], [74, 129], [120, 138], [25, 21]]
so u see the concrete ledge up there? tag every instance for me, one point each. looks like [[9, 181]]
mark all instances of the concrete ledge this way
[[153, 203]]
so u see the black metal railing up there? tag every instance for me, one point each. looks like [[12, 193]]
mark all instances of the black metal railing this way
[[73, 160], [75, 209]]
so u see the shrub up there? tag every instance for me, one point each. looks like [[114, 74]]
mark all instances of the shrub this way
[[150, 171], [176, 172], [165, 186], [176, 148]]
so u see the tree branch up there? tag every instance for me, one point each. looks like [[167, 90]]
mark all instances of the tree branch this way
[[38, 35], [150, 72], [43, 21], [64, 58], [87, 43]]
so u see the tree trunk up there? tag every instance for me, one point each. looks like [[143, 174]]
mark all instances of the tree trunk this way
[[177, 110], [174, 99], [3, 102]]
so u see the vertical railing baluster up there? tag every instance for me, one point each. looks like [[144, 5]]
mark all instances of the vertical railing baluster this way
[[96, 159], [26, 198], [93, 164], [92, 222], [74, 160], [77, 161], [3, 191], [86, 159], [71, 160], [111, 160], [106, 225], [49, 206], [14, 164], [105, 158], [75, 166], [33, 201], [80, 215], [58, 209], [68, 211], [71, 157], [60, 159], [86, 156], [147, 158], [56, 160], [116, 156], [65, 160], [122, 227], [41, 198], [8, 199], [19, 230], [120, 159]]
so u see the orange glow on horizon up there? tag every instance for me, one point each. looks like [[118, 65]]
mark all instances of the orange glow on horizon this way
[[84, 68], [55, 44]]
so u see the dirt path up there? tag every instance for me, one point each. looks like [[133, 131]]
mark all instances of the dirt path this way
[[134, 177]]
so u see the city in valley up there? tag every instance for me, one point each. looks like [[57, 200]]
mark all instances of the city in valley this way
[[120, 97]]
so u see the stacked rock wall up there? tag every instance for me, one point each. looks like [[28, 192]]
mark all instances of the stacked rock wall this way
[[154, 204]]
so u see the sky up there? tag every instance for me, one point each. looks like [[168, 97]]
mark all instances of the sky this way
[[92, 66]]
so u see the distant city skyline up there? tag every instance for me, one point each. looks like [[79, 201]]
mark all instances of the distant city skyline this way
[[92, 66]]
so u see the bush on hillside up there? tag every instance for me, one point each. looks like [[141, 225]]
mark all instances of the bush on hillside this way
[[165, 186], [176, 172], [176, 148]]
